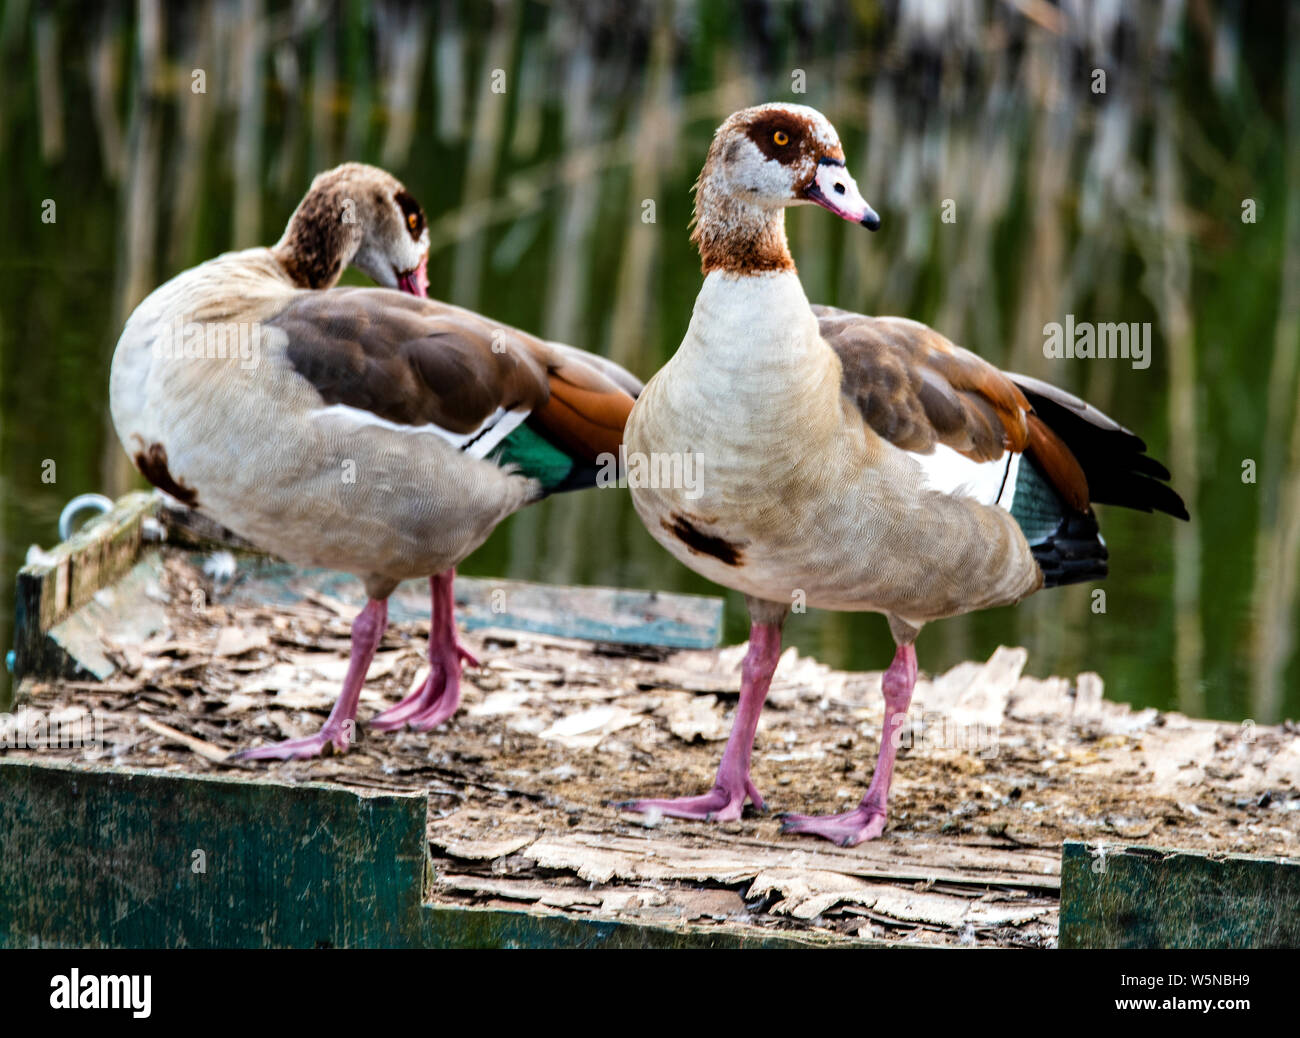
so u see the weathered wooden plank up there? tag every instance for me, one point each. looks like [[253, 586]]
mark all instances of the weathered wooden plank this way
[[601, 857], [131, 858], [1146, 897], [125, 613], [58, 622], [457, 927], [195, 530], [591, 613], [597, 614], [67, 578]]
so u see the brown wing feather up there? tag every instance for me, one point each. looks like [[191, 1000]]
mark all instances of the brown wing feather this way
[[410, 361], [416, 361], [916, 389]]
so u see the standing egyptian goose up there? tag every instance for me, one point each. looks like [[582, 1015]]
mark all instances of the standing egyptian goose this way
[[852, 462], [367, 430]]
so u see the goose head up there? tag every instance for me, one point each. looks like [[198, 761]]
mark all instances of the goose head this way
[[763, 160], [357, 215]]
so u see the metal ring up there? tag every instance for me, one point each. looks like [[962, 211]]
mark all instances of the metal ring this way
[[79, 504]]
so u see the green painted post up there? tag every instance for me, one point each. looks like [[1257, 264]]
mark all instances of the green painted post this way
[[1146, 897], [127, 858]]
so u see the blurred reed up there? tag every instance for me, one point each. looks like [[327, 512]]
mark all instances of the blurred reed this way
[[1114, 206]]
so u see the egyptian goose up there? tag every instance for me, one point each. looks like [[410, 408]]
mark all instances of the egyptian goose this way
[[367, 430], [851, 462]]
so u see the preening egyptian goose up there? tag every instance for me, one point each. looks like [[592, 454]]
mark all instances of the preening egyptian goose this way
[[852, 462], [366, 430]]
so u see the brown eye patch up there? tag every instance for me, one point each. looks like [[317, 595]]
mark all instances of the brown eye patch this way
[[412, 213], [779, 136]]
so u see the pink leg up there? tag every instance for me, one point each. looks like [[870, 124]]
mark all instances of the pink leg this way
[[367, 632], [439, 697], [867, 820], [725, 801]]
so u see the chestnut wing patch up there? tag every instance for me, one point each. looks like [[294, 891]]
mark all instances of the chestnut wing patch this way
[[587, 410]]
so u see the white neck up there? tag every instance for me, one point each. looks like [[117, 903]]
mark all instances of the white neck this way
[[750, 322]]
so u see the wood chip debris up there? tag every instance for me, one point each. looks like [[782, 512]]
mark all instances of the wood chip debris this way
[[997, 768]]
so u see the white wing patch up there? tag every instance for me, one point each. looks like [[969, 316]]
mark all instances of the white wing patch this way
[[477, 443], [988, 482]]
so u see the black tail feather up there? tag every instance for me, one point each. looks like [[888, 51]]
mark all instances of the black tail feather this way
[[1074, 553], [1114, 460]]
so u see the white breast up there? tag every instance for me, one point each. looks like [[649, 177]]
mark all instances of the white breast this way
[[798, 499]]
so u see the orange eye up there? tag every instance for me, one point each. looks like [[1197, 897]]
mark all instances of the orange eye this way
[[411, 221], [781, 137]]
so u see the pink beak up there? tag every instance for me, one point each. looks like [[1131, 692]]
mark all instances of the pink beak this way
[[416, 282], [833, 189]]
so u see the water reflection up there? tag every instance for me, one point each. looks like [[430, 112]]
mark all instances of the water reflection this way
[[554, 146]]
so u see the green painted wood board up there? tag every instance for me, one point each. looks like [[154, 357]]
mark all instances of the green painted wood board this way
[[592, 613], [96, 857], [1148, 897]]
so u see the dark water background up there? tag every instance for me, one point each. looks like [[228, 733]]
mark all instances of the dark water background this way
[[1123, 205]]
